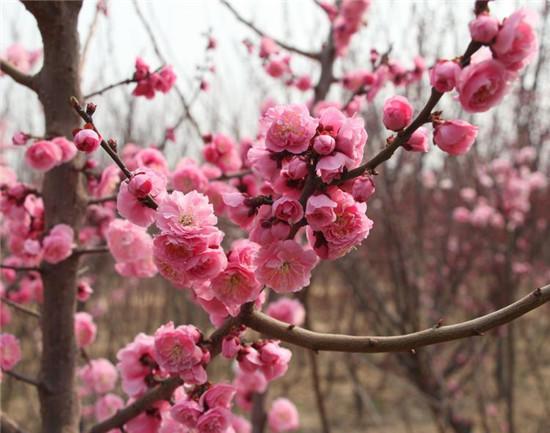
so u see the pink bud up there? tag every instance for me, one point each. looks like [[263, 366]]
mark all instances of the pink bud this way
[[324, 144], [43, 155], [86, 140], [19, 138], [418, 142], [455, 136], [397, 113], [362, 189], [443, 75], [484, 28]]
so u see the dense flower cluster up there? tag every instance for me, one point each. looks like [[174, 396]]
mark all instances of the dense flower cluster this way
[[148, 83]]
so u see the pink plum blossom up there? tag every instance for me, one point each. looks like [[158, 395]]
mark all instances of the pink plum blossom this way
[[85, 329], [285, 266], [99, 375], [418, 141], [443, 75], [58, 245], [397, 113], [283, 416], [10, 351], [482, 85], [455, 136], [87, 140], [289, 127], [483, 28], [43, 155], [106, 406], [287, 310]]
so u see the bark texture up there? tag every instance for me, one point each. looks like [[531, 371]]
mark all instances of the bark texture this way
[[64, 200]]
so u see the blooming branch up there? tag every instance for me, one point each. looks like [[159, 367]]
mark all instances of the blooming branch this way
[[18, 76]]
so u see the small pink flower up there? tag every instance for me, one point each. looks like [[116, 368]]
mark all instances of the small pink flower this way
[[455, 136], [397, 113], [237, 210], [320, 211], [83, 290], [277, 66], [289, 127], [68, 149], [231, 345], [418, 141], [106, 406], [43, 155], [285, 266], [331, 167], [218, 395], [222, 151], [483, 28], [516, 43], [181, 213], [20, 138], [166, 79], [362, 188], [85, 329], [288, 210], [324, 144], [287, 310], [283, 416], [58, 245], [137, 365], [176, 349], [482, 85], [443, 75], [188, 176], [303, 83], [99, 375], [268, 47], [187, 412], [10, 351], [273, 359], [87, 140], [235, 286], [216, 420]]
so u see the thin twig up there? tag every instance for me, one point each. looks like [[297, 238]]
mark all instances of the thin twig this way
[[251, 26], [18, 76], [20, 268], [22, 378], [19, 307]]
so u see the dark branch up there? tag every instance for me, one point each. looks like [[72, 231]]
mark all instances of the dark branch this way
[[19, 307], [17, 75]]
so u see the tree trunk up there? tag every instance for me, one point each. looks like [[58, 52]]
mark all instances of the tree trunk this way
[[64, 201]]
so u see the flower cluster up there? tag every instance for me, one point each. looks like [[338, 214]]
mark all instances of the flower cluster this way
[[10, 351], [43, 155], [148, 83], [347, 21]]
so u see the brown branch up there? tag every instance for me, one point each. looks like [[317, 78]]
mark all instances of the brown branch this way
[[7, 425], [101, 200], [18, 76], [19, 307], [22, 378], [401, 343], [94, 250], [110, 86], [21, 268], [251, 26]]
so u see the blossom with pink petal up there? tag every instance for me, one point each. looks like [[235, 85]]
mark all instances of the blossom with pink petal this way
[[218, 395], [188, 176], [418, 141], [482, 85], [483, 28], [68, 148], [43, 155], [397, 113], [283, 416], [180, 213], [320, 211], [287, 310], [288, 210], [98, 375], [107, 405], [235, 286], [187, 412], [285, 266], [85, 329], [516, 42], [290, 128], [362, 188], [58, 245], [216, 420], [222, 151], [455, 136], [87, 140], [10, 351], [444, 74]]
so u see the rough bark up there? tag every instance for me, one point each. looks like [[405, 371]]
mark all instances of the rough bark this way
[[64, 201]]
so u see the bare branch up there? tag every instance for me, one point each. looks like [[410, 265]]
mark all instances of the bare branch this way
[[19, 307], [401, 343], [20, 268], [22, 378], [18, 76], [251, 26], [7, 425]]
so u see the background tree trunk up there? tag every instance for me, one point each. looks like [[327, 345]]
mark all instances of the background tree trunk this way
[[64, 200]]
